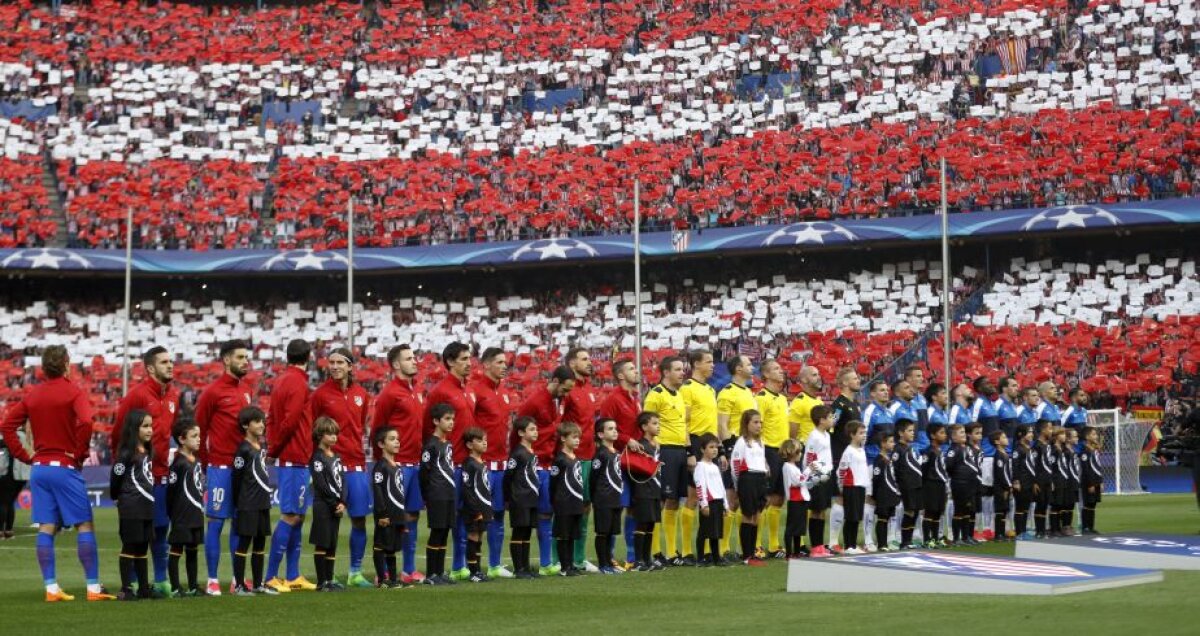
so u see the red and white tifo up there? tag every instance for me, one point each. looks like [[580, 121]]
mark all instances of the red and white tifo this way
[[421, 119]]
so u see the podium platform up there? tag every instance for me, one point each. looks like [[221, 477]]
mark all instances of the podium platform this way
[[1131, 549], [923, 572]]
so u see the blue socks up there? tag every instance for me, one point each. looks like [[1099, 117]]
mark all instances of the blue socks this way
[[280, 541], [358, 546], [86, 545], [45, 557], [495, 538], [460, 545], [212, 545], [545, 543], [293, 551], [158, 550], [410, 548], [630, 527]]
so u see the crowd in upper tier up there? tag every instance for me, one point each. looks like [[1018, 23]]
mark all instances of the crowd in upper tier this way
[[228, 128]]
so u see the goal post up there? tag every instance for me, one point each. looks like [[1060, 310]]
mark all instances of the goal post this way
[[1121, 441]]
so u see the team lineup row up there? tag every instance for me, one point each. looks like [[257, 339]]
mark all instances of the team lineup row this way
[[467, 453]]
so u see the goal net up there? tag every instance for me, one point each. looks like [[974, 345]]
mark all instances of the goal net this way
[[1121, 442]]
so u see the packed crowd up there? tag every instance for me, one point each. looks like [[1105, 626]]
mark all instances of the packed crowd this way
[[25, 215], [436, 139], [1123, 329]]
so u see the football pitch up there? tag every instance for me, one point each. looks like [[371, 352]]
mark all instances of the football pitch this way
[[674, 601]]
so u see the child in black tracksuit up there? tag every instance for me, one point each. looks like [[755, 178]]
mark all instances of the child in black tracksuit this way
[[933, 486], [1002, 482], [964, 483], [1092, 479], [647, 497], [566, 489], [131, 485], [521, 492], [607, 488], [1024, 467], [1071, 498], [329, 502], [884, 488], [185, 504], [1047, 459], [252, 500], [907, 463], [438, 490], [1061, 501], [476, 508], [387, 499], [975, 449]]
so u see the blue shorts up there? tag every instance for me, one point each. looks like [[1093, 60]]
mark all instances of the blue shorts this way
[[162, 518], [413, 501], [496, 482], [358, 494], [295, 496], [59, 496], [219, 494], [544, 505], [458, 499], [626, 493]]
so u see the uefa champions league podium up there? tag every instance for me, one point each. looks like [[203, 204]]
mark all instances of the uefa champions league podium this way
[[1131, 549], [924, 572]]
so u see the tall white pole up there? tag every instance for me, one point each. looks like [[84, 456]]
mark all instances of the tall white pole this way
[[947, 282], [128, 288], [350, 275], [637, 274]]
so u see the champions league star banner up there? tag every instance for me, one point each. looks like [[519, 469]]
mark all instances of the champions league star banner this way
[[807, 234]]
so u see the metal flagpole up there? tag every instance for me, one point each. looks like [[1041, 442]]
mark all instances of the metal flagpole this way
[[947, 281], [350, 276], [637, 274], [128, 287]]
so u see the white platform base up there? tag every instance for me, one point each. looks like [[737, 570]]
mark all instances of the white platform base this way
[[1129, 550], [955, 573]]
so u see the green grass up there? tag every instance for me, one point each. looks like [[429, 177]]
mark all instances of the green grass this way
[[674, 601]]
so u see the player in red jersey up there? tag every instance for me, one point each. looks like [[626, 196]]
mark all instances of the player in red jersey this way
[[453, 390], [59, 420], [494, 414], [400, 406], [544, 403], [159, 400], [290, 445], [342, 400], [622, 405], [579, 406], [217, 411]]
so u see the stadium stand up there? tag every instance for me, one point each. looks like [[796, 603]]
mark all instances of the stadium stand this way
[[25, 215], [1040, 320], [438, 138]]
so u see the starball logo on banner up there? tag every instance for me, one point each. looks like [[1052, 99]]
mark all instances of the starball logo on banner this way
[[801, 235]]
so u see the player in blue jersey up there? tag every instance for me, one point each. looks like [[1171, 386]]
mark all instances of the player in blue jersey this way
[[878, 420], [937, 398], [902, 411], [1006, 407], [915, 376], [1028, 408], [1075, 415], [1048, 410]]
